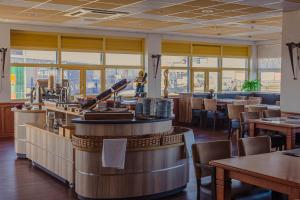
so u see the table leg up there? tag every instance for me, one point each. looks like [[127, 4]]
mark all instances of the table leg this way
[[252, 129], [223, 185], [290, 139]]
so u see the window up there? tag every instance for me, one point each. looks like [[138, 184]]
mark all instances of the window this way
[[93, 82], [269, 74], [205, 62], [123, 59], [240, 63], [199, 82], [178, 81], [74, 81], [178, 67], [33, 56], [79, 58], [233, 80], [24, 78], [270, 81], [115, 75], [233, 73], [174, 61]]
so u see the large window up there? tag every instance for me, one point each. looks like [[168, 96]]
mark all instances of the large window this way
[[178, 76], [234, 73], [33, 56], [24, 78], [79, 58], [269, 74], [114, 75], [118, 59], [269, 67]]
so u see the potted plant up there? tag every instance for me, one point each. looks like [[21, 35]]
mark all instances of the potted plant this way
[[251, 85]]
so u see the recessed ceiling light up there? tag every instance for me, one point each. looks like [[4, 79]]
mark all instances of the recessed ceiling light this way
[[207, 11]]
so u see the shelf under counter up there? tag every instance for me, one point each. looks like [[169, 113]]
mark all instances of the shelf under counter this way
[[50, 151]]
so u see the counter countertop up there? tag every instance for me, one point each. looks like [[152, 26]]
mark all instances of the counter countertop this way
[[28, 111], [134, 121]]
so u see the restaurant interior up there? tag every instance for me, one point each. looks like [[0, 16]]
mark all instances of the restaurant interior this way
[[149, 99]]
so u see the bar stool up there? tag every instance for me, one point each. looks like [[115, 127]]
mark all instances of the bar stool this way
[[197, 105], [234, 118]]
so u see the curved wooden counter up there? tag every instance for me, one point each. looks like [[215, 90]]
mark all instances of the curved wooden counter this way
[[21, 117], [148, 172]]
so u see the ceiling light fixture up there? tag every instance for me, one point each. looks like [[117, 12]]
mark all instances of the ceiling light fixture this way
[[207, 11]]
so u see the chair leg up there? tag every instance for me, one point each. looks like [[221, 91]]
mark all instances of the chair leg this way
[[229, 130], [198, 188], [214, 121]]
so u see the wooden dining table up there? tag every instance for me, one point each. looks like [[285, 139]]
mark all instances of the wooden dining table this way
[[274, 171], [269, 107], [284, 125]]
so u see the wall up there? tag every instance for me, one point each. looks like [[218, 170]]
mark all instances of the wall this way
[[290, 90], [5, 82], [153, 41]]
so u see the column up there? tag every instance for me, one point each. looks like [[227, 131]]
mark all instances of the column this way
[[153, 47]]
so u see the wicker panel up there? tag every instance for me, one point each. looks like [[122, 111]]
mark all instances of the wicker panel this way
[[94, 143]]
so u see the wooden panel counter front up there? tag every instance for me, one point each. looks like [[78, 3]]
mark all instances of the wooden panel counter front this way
[[148, 172]]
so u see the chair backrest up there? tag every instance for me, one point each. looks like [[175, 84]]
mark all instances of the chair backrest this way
[[238, 97], [245, 116], [240, 102], [197, 103], [254, 145], [258, 109], [210, 104], [271, 113], [235, 110], [253, 101], [256, 98], [205, 152]]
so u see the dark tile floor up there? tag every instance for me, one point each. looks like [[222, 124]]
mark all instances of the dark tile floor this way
[[20, 181]]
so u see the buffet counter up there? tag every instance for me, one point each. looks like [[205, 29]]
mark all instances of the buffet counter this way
[[21, 117], [50, 151], [155, 165]]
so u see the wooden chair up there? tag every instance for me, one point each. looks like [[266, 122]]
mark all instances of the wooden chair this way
[[259, 99], [240, 102], [234, 118], [278, 140], [210, 105], [197, 104], [271, 113], [203, 153], [253, 101], [254, 145], [239, 97], [245, 117], [258, 109]]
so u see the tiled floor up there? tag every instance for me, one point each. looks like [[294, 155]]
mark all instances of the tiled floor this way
[[20, 181]]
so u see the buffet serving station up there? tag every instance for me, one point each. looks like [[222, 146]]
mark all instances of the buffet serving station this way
[[104, 149]]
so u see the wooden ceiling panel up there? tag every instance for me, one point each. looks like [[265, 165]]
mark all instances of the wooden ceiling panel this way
[[272, 21], [216, 30], [144, 24], [170, 10], [232, 6], [120, 2], [202, 3], [267, 36], [254, 10], [100, 5], [5, 9], [187, 15]]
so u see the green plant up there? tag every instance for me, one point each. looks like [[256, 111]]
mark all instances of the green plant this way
[[251, 85]]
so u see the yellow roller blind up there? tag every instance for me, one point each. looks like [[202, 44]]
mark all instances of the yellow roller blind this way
[[206, 50], [169, 47], [235, 51], [30, 40], [124, 45], [81, 43]]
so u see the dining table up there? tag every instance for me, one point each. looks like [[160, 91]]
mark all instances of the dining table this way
[[285, 125], [269, 107], [275, 171]]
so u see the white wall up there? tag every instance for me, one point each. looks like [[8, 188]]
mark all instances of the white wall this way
[[5, 82], [153, 41], [290, 89]]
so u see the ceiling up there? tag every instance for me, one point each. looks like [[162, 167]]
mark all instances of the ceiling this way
[[231, 19]]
